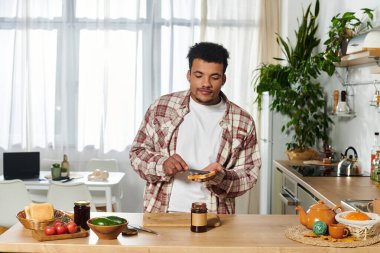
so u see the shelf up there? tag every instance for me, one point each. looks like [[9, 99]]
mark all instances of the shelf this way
[[364, 57], [343, 115]]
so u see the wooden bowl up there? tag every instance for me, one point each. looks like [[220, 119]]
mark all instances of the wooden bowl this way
[[106, 232], [37, 225]]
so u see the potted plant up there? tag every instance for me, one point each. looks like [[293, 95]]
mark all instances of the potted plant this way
[[56, 171], [343, 27], [294, 90], [56, 165]]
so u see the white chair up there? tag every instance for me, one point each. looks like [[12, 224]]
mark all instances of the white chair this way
[[13, 198], [63, 195], [39, 196], [103, 164], [110, 165]]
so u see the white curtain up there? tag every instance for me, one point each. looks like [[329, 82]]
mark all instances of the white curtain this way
[[235, 24], [76, 76]]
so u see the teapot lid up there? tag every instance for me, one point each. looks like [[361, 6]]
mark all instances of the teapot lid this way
[[320, 205]]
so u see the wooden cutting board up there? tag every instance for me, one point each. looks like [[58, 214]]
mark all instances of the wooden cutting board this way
[[39, 235], [176, 220]]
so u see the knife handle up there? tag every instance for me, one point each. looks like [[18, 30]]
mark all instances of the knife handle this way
[[67, 180]]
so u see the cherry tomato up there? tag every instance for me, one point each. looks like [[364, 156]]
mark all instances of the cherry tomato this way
[[61, 229], [50, 230], [72, 227], [57, 223]]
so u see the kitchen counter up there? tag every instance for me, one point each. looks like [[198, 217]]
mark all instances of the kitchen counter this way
[[332, 190], [238, 233]]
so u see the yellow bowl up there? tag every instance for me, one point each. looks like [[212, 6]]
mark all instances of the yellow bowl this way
[[106, 232]]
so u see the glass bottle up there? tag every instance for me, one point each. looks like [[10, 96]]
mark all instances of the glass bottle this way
[[65, 167], [335, 100], [198, 217], [342, 106], [375, 175], [374, 155], [376, 99]]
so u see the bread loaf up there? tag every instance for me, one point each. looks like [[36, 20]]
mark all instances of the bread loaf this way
[[39, 212]]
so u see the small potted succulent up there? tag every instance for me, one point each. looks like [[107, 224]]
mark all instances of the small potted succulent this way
[[55, 171]]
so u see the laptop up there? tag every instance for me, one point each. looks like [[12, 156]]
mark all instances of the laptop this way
[[21, 165]]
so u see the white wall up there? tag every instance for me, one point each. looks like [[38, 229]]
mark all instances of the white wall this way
[[357, 132]]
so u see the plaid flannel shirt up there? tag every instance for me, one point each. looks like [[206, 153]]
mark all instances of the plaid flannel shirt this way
[[156, 141]]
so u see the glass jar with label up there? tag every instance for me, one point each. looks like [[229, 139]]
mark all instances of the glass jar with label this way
[[198, 217]]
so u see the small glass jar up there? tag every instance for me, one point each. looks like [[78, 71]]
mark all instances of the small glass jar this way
[[82, 213], [198, 217]]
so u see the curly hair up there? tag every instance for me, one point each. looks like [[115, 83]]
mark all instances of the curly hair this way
[[209, 52]]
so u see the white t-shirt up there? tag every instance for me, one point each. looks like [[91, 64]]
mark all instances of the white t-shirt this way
[[198, 144]]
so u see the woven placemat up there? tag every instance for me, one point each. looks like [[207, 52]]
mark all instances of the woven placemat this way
[[297, 233]]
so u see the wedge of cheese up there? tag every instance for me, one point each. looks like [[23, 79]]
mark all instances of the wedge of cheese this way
[[39, 212]]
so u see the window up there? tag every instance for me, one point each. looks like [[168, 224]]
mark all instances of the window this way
[[79, 73]]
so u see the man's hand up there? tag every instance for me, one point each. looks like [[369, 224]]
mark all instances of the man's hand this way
[[174, 164], [213, 166]]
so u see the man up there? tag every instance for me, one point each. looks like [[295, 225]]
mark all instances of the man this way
[[199, 129]]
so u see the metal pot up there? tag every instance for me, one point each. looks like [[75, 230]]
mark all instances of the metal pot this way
[[349, 165]]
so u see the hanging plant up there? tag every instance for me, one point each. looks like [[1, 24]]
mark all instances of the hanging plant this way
[[343, 27]]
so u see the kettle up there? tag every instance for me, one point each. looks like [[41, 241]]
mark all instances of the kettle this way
[[317, 212], [349, 165]]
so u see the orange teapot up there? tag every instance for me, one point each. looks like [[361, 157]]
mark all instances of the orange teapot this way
[[319, 211]]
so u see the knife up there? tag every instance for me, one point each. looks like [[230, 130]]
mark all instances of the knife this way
[[67, 180], [202, 172], [141, 228]]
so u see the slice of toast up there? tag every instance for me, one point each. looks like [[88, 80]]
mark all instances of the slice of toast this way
[[201, 176]]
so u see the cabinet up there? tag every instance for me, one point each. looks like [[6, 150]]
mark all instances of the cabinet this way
[[276, 207], [283, 193], [287, 193], [305, 198]]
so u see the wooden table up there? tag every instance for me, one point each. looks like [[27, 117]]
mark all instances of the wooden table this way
[[238, 233]]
